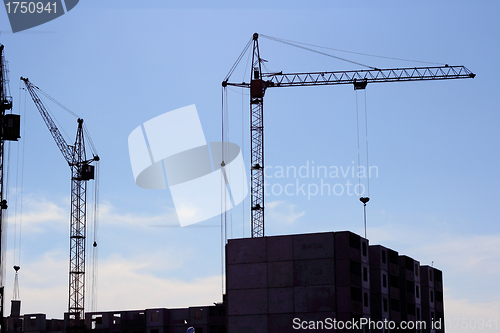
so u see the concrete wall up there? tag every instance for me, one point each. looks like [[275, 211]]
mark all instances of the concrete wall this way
[[272, 280], [202, 318]]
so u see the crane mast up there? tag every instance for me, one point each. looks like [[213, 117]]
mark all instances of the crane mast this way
[[9, 131], [260, 81], [257, 144], [81, 172]]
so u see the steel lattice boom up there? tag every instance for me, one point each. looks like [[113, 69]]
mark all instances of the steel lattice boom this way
[[81, 172], [359, 78], [56, 134]]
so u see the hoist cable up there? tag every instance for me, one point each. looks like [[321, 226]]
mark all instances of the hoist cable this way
[[227, 172], [61, 128], [222, 197], [57, 103], [359, 53], [22, 186], [89, 139], [243, 157], [95, 257], [245, 71], [238, 60], [284, 41], [367, 161], [364, 211], [357, 132], [364, 200]]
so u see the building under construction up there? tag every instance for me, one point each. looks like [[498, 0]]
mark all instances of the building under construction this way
[[289, 283], [331, 281]]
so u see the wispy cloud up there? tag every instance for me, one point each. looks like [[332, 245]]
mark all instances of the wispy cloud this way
[[110, 215], [467, 253], [470, 264], [37, 212], [283, 212], [123, 283], [462, 315]]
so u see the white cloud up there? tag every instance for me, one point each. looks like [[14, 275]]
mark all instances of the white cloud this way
[[126, 284], [470, 265], [460, 253], [461, 315], [473, 253], [139, 280], [283, 212], [109, 214], [274, 204], [37, 212], [123, 283]]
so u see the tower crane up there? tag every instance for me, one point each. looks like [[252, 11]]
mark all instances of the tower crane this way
[[9, 131], [261, 81], [81, 172]]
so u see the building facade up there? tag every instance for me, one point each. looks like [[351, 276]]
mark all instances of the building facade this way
[[333, 281]]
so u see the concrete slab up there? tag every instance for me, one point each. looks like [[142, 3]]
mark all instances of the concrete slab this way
[[198, 315], [247, 324], [280, 274], [247, 302], [178, 317], [344, 299], [347, 245], [246, 276], [279, 248], [246, 250], [282, 323], [157, 329], [314, 298], [313, 246], [34, 322], [156, 317], [300, 299], [280, 300], [321, 298], [313, 272]]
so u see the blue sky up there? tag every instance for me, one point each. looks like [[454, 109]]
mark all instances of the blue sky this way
[[120, 63]]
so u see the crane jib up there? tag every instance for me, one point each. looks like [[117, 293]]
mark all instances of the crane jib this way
[[357, 78]]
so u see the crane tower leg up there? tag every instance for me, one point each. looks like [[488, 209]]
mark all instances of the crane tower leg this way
[[8, 123], [77, 237], [257, 90]]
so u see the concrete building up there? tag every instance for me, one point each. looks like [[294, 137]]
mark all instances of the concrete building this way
[[280, 283], [283, 284], [204, 319]]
